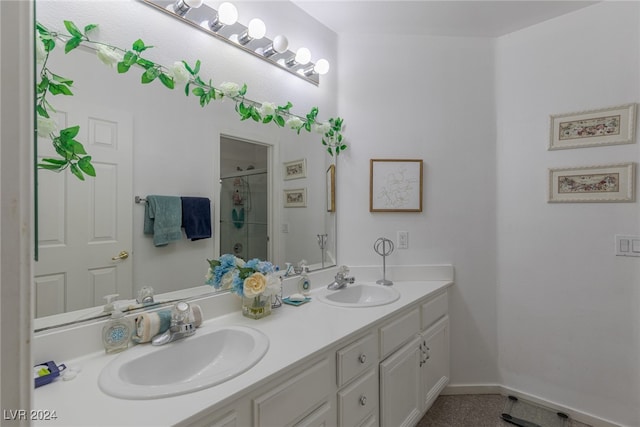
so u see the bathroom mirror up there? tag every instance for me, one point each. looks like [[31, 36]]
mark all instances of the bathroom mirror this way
[[167, 144]]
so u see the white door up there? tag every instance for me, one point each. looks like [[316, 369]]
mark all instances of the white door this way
[[84, 224]]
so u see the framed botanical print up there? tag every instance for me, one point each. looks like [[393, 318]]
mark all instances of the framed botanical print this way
[[602, 183]]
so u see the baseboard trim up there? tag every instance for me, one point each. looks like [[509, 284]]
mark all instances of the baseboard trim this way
[[583, 417]]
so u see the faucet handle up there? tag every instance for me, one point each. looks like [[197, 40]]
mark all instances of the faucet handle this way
[[180, 314]]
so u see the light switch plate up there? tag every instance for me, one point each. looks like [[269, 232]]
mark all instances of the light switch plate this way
[[403, 240], [627, 245]]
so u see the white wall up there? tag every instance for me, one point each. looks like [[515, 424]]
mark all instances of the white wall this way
[[429, 98], [569, 310]]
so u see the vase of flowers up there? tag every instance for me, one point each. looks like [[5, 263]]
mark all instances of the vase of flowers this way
[[253, 280]]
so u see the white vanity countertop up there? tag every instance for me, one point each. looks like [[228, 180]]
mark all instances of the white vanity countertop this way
[[296, 334]]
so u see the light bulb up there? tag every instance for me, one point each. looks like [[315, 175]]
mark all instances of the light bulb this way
[[280, 44], [322, 66], [256, 29], [227, 13], [303, 56]]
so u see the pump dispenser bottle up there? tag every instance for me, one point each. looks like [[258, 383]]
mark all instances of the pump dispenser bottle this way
[[117, 332]]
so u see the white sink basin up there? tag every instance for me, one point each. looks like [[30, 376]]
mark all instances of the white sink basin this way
[[209, 357], [360, 295]]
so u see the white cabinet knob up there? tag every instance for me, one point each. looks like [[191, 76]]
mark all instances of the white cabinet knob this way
[[363, 400], [362, 358]]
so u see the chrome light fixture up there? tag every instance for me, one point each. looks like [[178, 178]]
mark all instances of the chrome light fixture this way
[[222, 23], [255, 31], [227, 15], [278, 45], [181, 7]]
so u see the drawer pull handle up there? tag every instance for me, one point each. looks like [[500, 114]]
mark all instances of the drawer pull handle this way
[[362, 358], [363, 400]]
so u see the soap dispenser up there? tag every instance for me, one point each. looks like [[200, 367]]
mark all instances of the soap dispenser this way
[[117, 332]]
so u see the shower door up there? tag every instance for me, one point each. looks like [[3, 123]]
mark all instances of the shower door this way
[[243, 215]]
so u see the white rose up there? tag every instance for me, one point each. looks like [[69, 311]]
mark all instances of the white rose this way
[[209, 275], [322, 128], [226, 280], [41, 52], [274, 284], [294, 123], [46, 126], [179, 73], [267, 109], [108, 55], [254, 285], [240, 262], [230, 89]]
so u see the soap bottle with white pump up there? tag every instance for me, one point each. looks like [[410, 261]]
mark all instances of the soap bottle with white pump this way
[[117, 332]]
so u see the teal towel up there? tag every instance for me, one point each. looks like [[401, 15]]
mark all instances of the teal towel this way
[[163, 219]]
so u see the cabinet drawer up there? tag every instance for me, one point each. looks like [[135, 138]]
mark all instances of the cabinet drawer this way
[[434, 309], [299, 396], [398, 331], [356, 358], [359, 400]]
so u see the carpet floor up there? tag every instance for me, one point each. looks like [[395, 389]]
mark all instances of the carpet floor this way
[[470, 410]]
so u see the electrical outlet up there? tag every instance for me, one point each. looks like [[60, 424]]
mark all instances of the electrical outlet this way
[[627, 245], [285, 228], [403, 240]]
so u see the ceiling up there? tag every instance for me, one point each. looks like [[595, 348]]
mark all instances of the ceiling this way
[[441, 18]]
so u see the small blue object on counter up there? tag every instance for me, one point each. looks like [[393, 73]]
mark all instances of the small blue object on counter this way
[[44, 373], [291, 300]]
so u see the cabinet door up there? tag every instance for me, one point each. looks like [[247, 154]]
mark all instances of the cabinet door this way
[[435, 361], [400, 391]]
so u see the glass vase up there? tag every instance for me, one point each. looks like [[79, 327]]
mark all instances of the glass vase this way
[[256, 307]]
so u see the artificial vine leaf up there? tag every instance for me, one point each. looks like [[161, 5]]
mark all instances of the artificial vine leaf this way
[[77, 172], [73, 30], [85, 165], [123, 67], [186, 89], [57, 89], [150, 75], [89, 27], [243, 90], [70, 132], [72, 43], [58, 162], [166, 80], [279, 121], [145, 63], [198, 91], [139, 46], [42, 112], [61, 79]]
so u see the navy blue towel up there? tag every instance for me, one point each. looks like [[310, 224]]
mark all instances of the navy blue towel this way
[[196, 217]]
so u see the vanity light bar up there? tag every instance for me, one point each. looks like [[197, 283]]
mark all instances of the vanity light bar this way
[[222, 24]]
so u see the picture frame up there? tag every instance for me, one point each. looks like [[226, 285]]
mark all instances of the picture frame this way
[[395, 185], [598, 183], [331, 188], [295, 198], [295, 169], [605, 126]]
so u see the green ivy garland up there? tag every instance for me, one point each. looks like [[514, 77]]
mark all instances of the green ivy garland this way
[[72, 152]]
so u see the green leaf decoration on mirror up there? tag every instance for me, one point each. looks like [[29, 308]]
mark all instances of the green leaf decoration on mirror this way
[[72, 153]]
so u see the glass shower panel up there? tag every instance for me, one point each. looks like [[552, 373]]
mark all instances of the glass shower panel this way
[[243, 216]]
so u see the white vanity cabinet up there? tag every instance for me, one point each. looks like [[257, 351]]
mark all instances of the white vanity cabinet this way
[[413, 376]]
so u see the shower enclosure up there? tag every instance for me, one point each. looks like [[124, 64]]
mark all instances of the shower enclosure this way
[[243, 214]]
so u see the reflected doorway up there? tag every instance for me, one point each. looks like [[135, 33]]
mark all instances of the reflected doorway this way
[[244, 198]]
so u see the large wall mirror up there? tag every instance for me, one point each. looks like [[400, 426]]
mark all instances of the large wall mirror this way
[[147, 140]]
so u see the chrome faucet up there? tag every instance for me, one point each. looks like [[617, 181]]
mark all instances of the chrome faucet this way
[[341, 280], [181, 326]]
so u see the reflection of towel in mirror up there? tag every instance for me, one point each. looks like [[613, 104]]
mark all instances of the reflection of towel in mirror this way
[[163, 219], [196, 217]]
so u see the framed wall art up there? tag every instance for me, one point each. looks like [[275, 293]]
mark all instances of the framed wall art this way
[[395, 185], [295, 198], [331, 188], [295, 169], [607, 126], [603, 183]]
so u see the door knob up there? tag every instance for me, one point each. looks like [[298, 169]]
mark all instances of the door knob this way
[[121, 255]]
